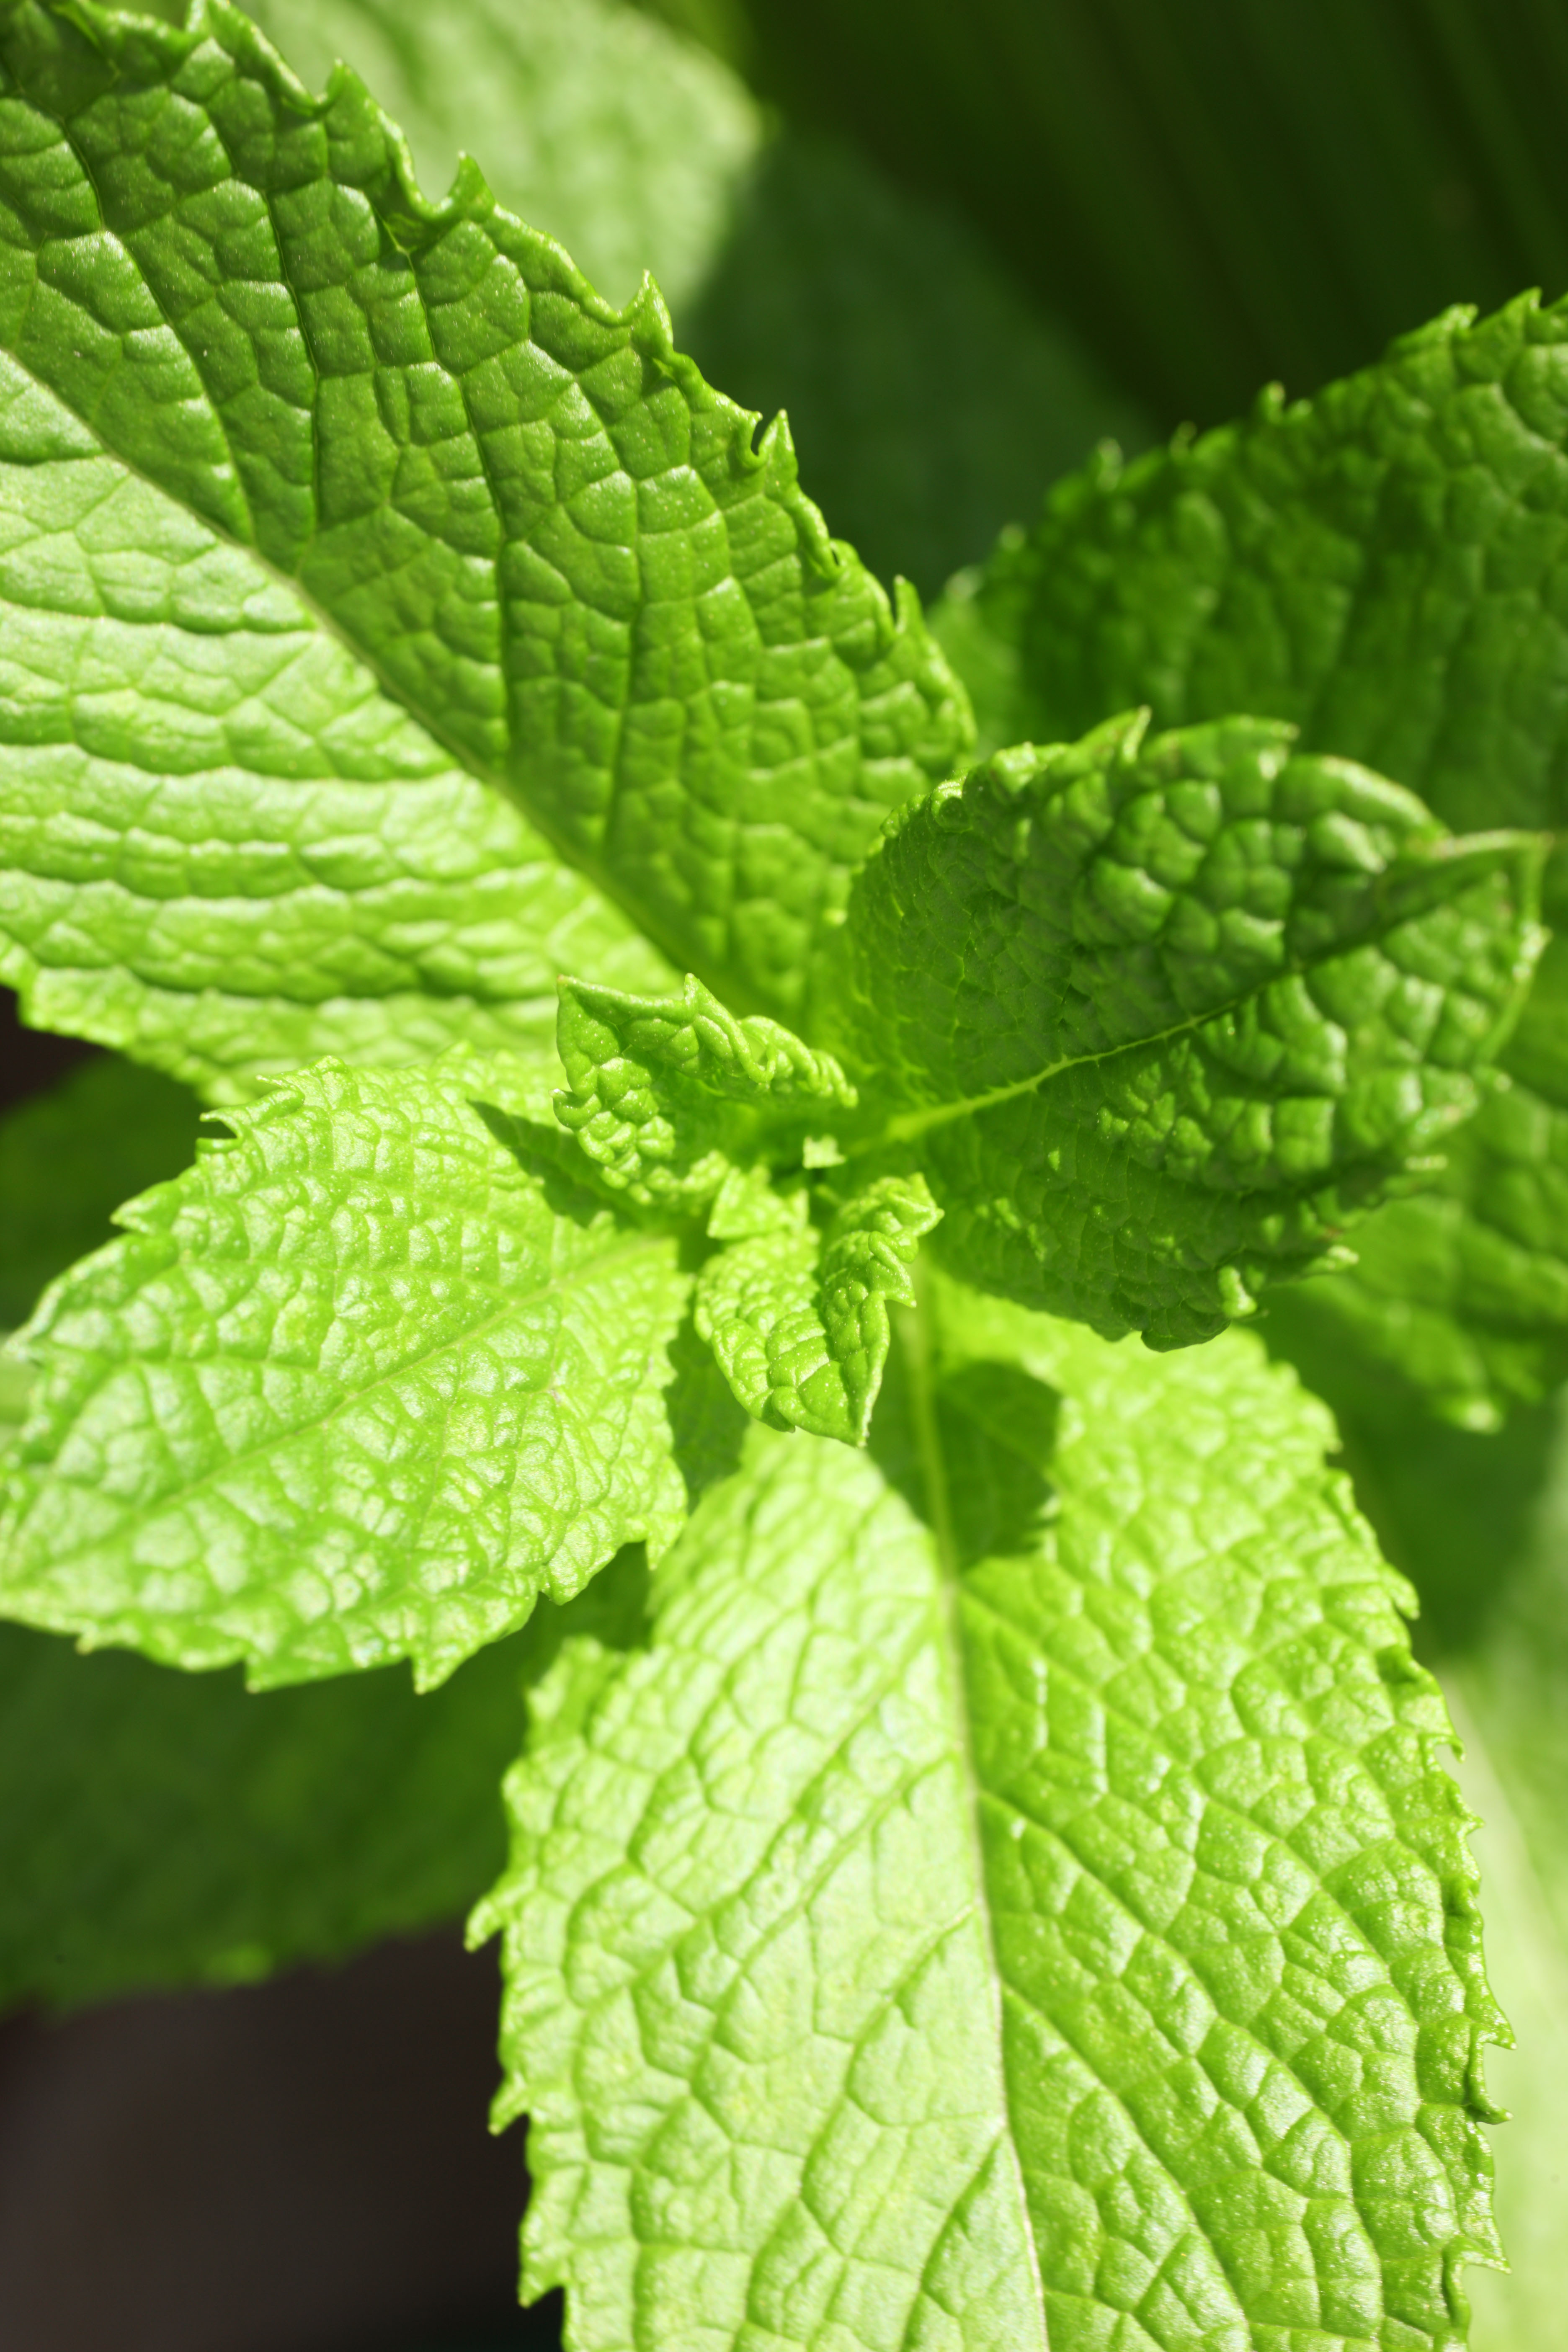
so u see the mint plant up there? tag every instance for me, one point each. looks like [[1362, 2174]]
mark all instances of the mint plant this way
[[730, 1209]]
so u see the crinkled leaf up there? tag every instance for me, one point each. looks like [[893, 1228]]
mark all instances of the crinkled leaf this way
[[669, 1093], [223, 847], [1167, 1015], [550, 550], [1374, 563], [1012, 1899], [70, 1157], [360, 1386], [798, 1319], [1462, 1293], [1378, 564]]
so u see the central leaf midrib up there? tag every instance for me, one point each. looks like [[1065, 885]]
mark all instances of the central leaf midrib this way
[[914, 1326], [906, 1126]]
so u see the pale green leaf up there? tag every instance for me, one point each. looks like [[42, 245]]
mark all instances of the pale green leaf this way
[[364, 1383], [798, 1319], [223, 847], [1164, 1016], [1012, 1900], [669, 1094], [519, 520]]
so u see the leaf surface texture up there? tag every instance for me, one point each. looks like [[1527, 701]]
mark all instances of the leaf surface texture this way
[[944, 1935], [523, 516], [1164, 1015], [361, 1385], [1377, 564]]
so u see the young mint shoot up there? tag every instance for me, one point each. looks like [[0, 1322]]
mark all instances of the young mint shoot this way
[[709, 1169]]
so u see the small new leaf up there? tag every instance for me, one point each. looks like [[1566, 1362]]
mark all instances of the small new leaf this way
[[670, 1093], [798, 1319], [1167, 1015], [361, 1385]]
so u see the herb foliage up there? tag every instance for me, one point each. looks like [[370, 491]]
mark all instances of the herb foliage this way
[[701, 1152]]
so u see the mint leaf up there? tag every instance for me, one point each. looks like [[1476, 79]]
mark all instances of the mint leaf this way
[[669, 1093], [70, 1157], [1477, 1522], [549, 541], [224, 848], [1374, 564], [360, 1386], [798, 1319], [1371, 564], [943, 1933], [1164, 1015], [1462, 1294]]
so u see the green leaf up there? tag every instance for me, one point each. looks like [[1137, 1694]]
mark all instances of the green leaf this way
[[800, 277], [832, 294], [360, 1386], [1376, 564], [70, 1157], [669, 1093], [223, 847], [1012, 1899], [516, 513], [163, 1829], [1462, 1294], [1165, 1016], [798, 1319]]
